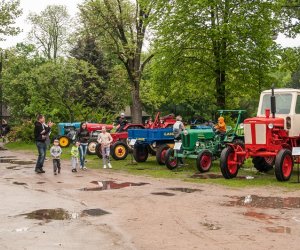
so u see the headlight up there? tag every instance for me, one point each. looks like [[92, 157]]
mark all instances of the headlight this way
[[154, 144], [241, 125], [185, 132], [270, 125], [197, 144]]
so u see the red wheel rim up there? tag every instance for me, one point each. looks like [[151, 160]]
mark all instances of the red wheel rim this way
[[205, 162], [173, 163], [287, 166], [120, 151], [231, 163]]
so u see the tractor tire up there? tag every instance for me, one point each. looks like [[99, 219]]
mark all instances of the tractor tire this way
[[91, 147], [204, 161], [119, 151], [140, 153], [98, 150], [64, 141], [284, 165], [263, 164], [171, 161], [161, 154], [228, 168]]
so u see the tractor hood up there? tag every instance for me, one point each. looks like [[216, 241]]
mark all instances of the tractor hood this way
[[277, 121]]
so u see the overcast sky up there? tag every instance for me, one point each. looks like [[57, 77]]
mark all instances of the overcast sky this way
[[38, 5]]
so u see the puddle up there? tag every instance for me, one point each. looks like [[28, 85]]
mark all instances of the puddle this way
[[105, 185], [264, 202], [260, 216], [185, 190], [213, 176], [14, 161], [40, 190], [8, 178], [94, 212], [19, 183], [279, 229], [211, 226], [11, 167], [8, 156], [59, 182], [48, 214], [163, 193], [40, 182]]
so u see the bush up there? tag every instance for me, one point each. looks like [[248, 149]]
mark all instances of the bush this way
[[22, 132]]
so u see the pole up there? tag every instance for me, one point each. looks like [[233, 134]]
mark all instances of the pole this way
[[1, 95]]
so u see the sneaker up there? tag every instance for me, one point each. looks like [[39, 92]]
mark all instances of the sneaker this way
[[58, 171], [74, 170], [109, 165], [104, 166], [38, 171], [55, 173], [42, 171], [84, 168]]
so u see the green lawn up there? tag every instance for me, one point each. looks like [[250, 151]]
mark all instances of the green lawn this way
[[151, 168]]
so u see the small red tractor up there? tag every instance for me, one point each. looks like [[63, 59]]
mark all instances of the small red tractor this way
[[120, 146], [269, 140]]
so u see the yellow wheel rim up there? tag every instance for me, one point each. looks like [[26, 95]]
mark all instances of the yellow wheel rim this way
[[120, 151], [63, 141]]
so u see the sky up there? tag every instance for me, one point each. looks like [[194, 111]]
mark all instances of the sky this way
[[37, 6]]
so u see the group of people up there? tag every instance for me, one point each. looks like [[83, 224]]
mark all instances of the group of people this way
[[78, 150]]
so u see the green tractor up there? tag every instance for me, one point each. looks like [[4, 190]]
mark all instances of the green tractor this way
[[204, 144]]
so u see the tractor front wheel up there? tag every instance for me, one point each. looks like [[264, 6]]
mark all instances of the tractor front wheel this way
[[171, 160], [91, 147], [204, 161], [229, 167], [119, 151], [140, 153], [284, 165], [64, 141], [161, 154]]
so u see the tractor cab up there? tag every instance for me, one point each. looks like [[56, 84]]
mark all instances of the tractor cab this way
[[287, 109]]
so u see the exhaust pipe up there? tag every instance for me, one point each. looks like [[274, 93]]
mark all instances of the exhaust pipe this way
[[273, 103]]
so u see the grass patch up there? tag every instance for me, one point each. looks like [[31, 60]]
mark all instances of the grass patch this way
[[152, 169]]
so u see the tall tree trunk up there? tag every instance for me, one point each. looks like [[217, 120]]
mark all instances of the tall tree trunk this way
[[220, 89], [136, 106]]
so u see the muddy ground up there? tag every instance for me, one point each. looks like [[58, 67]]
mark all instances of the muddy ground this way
[[103, 209]]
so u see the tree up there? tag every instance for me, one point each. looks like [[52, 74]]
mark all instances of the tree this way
[[226, 44], [9, 11], [121, 26], [50, 30]]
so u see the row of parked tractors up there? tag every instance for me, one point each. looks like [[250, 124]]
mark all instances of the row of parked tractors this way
[[268, 139]]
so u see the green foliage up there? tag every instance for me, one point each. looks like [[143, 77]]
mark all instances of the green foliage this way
[[22, 132]]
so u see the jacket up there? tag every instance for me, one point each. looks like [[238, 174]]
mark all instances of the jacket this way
[[41, 131]]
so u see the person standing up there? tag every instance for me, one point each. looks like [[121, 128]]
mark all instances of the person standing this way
[[178, 127], [83, 136], [41, 130], [105, 139], [75, 155], [55, 152], [121, 123]]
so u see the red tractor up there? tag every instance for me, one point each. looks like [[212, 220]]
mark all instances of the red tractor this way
[[269, 140], [120, 146]]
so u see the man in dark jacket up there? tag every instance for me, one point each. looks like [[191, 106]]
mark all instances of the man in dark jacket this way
[[41, 130]]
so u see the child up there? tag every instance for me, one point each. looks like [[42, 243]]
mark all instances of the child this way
[[221, 126], [75, 155], [55, 152], [105, 140]]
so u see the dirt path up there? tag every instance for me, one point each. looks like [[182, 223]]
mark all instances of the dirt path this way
[[154, 214]]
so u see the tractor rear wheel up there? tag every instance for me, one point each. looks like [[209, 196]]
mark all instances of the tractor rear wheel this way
[[161, 154], [263, 164], [204, 161], [284, 165], [140, 153], [98, 150], [91, 147], [119, 151], [171, 161], [229, 167], [64, 141]]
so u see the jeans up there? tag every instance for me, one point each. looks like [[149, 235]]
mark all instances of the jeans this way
[[105, 154], [42, 147], [82, 153], [56, 165]]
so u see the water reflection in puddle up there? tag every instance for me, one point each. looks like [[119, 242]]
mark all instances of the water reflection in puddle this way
[[163, 193], [94, 212], [279, 229], [213, 176], [264, 202], [19, 183], [48, 214], [185, 190], [105, 185], [14, 161]]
